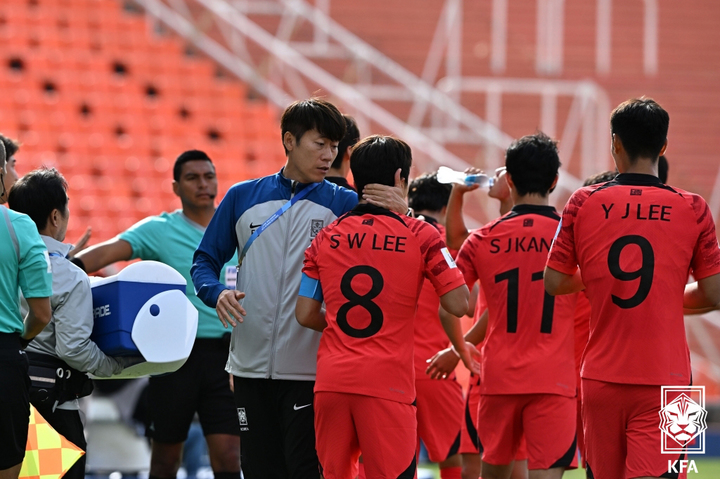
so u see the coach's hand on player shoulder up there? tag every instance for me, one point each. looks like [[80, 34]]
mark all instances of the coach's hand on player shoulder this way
[[389, 197], [442, 364], [229, 309]]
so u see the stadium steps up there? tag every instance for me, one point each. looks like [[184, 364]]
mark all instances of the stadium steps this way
[[90, 88]]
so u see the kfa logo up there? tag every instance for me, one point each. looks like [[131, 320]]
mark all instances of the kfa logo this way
[[682, 465], [242, 417], [683, 420], [315, 227]]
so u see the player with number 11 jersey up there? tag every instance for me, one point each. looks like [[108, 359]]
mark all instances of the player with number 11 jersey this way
[[528, 375]]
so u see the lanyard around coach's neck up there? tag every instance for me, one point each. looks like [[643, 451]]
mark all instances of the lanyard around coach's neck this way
[[274, 217]]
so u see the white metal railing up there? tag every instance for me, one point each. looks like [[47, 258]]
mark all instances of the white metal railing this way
[[258, 41]]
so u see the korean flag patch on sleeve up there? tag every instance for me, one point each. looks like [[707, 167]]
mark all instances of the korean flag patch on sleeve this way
[[448, 258]]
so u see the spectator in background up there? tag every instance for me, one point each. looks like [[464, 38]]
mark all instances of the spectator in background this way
[[65, 344], [201, 385], [24, 266], [341, 165]]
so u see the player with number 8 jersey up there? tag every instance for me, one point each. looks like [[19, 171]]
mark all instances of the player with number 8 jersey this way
[[369, 267]]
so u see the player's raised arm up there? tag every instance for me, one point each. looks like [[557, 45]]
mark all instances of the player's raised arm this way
[[456, 231]]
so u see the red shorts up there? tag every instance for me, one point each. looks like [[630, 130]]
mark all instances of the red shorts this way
[[440, 407], [622, 430], [469, 441], [348, 424], [506, 419]]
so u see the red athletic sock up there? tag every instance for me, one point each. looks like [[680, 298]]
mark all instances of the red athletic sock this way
[[451, 473], [361, 471]]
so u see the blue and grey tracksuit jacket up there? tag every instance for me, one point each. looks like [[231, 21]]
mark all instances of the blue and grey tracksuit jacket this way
[[269, 343]]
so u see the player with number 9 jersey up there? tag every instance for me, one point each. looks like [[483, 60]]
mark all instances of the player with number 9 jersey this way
[[635, 240]]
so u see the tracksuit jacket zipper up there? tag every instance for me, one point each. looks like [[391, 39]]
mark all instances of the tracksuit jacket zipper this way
[[282, 285]]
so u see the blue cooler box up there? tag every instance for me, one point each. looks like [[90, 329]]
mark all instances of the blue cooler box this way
[[118, 299]]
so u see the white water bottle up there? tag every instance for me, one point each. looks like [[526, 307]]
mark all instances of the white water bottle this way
[[446, 175]]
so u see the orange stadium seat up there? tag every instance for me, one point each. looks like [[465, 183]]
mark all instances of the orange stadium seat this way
[[96, 92]]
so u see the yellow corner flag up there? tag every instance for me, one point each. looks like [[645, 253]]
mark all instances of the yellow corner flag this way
[[48, 455]]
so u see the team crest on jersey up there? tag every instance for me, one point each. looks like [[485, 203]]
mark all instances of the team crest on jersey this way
[[683, 419], [368, 222], [315, 227], [634, 192], [528, 222], [242, 417]]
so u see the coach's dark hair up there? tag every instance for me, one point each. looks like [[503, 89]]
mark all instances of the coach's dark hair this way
[[314, 113], [533, 163], [190, 155], [376, 159], [426, 193], [663, 169], [352, 136], [38, 193], [642, 126], [11, 146], [603, 177]]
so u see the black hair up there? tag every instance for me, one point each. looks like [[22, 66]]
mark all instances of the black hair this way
[[533, 162], [352, 136], [11, 146], [663, 169], [642, 126], [426, 193], [38, 193], [603, 177], [190, 155], [312, 114], [376, 159]]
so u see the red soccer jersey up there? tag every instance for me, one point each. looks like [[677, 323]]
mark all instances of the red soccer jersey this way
[[371, 265], [430, 336], [582, 327], [528, 347], [635, 241]]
